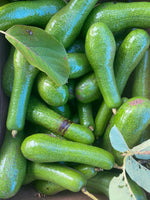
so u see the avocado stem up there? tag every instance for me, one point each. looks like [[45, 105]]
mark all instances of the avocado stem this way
[[88, 194], [98, 169], [118, 167], [114, 110], [91, 128], [14, 133]]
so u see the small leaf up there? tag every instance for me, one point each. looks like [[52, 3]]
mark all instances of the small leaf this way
[[142, 146], [138, 173], [41, 50], [144, 154], [117, 140], [142, 151], [118, 189]]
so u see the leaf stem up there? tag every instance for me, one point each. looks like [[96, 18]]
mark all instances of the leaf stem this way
[[117, 166], [84, 190]]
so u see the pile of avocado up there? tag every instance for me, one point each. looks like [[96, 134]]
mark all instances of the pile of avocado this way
[[57, 137]]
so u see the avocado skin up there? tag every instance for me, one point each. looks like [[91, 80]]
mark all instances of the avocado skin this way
[[132, 118], [12, 165]]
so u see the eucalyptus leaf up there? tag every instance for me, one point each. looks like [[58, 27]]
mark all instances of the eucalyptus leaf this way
[[118, 189], [41, 50], [117, 140], [138, 173]]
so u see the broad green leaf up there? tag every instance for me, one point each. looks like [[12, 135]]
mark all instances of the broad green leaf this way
[[118, 189], [138, 173], [117, 140], [41, 50]]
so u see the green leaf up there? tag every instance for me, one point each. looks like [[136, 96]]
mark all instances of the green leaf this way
[[117, 140], [41, 50], [141, 147], [142, 151], [119, 189], [138, 173]]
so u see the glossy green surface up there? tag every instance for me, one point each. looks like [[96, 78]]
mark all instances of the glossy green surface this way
[[44, 148], [141, 84], [78, 65], [49, 188], [24, 75], [100, 49], [87, 89], [141, 81], [128, 56], [39, 113], [132, 118], [85, 113], [67, 23], [51, 93], [8, 73], [59, 174], [120, 16], [36, 13], [12, 166]]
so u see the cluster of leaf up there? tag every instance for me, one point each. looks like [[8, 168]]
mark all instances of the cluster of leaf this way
[[132, 165]]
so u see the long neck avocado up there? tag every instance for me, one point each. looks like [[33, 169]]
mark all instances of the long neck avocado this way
[[67, 23], [128, 56], [100, 47], [24, 75], [119, 16]]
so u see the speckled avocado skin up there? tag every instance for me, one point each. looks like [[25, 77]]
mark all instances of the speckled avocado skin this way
[[67, 23], [35, 13], [12, 165], [87, 89], [51, 93], [62, 175], [100, 47], [131, 120], [118, 15], [24, 75], [39, 113], [44, 148], [51, 188], [128, 56], [141, 80]]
